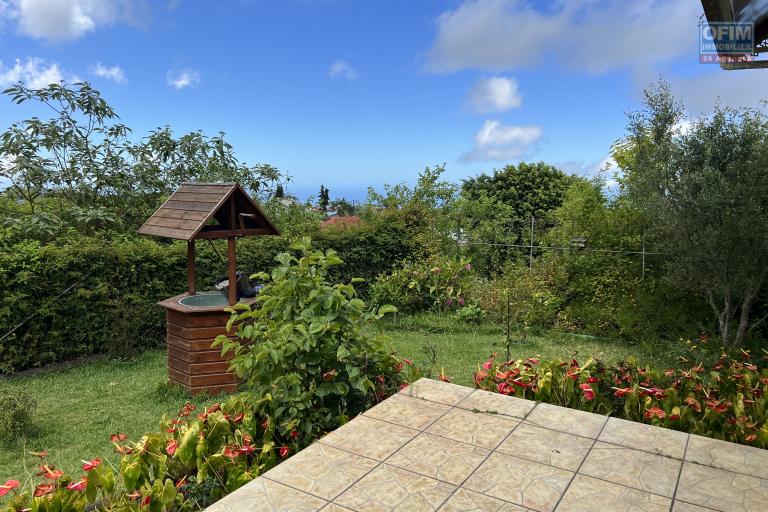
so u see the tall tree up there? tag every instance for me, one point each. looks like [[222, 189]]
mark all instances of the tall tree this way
[[702, 184], [323, 198], [279, 193]]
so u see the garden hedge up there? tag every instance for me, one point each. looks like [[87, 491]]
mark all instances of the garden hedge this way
[[112, 308]]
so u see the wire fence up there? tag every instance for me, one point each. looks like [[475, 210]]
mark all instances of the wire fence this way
[[578, 243]]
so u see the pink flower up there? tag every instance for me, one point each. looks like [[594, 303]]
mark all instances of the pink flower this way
[[461, 301], [43, 489], [79, 485], [170, 448], [620, 392], [89, 465], [468, 266], [652, 412], [504, 388], [589, 393], [7, 486], [449, 301]]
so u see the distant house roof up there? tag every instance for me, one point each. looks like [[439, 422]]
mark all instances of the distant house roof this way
[[288, 201], [341, 222], [205, 210]]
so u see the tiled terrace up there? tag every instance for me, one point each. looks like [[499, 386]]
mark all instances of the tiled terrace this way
[[438, 446]]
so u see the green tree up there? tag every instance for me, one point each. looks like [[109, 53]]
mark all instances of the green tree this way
[[705, 194], [279, 193], [531, 190], [323, 198], [80, 170]]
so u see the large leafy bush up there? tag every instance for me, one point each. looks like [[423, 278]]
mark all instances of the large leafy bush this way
[[305, 350]]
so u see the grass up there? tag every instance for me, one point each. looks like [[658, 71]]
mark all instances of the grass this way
[[78, 408], [441, 342]]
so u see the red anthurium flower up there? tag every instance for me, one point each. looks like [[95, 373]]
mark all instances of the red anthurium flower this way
[[408, 362], [403, 386], [146, 501], [170, 448], [330, 374], [79, 485], [284, 451], [50, 472], [504, 388], [589, 393], [593, 380], [238, 417], [214, 408], [43, 489], [652, 412], [7, 486], [187, 409], [719, 407], [265, 424], [487, 365], [620, 392], [123, 449], [118, 437], [89, 465], [750, 438], [231, 451], [294, 434], [480, 376], [533, 360]]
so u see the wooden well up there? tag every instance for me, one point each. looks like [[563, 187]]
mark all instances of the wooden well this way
[[204, 211]]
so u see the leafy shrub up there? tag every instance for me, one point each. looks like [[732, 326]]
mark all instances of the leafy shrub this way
[[470, 314], [119, 282], [441, 284], [17, 411], [724, 399], [190, 463], [307, 358]]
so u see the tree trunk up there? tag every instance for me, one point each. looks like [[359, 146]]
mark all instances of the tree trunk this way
[[746, 307]]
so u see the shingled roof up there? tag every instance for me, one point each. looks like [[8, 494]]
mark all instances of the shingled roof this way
[[208, 210]]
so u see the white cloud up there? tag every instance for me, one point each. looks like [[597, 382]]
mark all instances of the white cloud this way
[[183, 78], [114, 73], [495, 141], [494, 94], [342, 69], [61, 20], [36, 73], [591, 35]]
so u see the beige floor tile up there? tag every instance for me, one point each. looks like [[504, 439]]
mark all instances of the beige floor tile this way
[[724, 455], [681, 506], [464, 500], [722, 490], [483, 430], [390, 488], [570, 421], [262, 495], [334, 507], [437, 391], [370, 437], [547, 446], [321, 470], [486, 401], [533, 485], [590, 494], [640, 436], [407, 411], [439, 457], [632, 468]]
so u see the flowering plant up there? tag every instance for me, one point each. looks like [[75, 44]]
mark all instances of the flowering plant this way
[[725, 399], [224, 446]]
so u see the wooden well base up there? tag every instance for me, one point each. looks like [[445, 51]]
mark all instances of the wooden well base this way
[[192, 363]]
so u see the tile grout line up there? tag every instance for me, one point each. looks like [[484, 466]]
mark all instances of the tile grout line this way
[[490, 452], [680, 473], [575, 473]]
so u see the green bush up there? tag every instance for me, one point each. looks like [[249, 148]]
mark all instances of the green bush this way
[[113, 306], [308, 359], [17, 411]]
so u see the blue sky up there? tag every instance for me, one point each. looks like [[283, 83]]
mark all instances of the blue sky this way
[[354, 93]]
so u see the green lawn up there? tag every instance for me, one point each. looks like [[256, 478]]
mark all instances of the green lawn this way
[[77, 409]]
